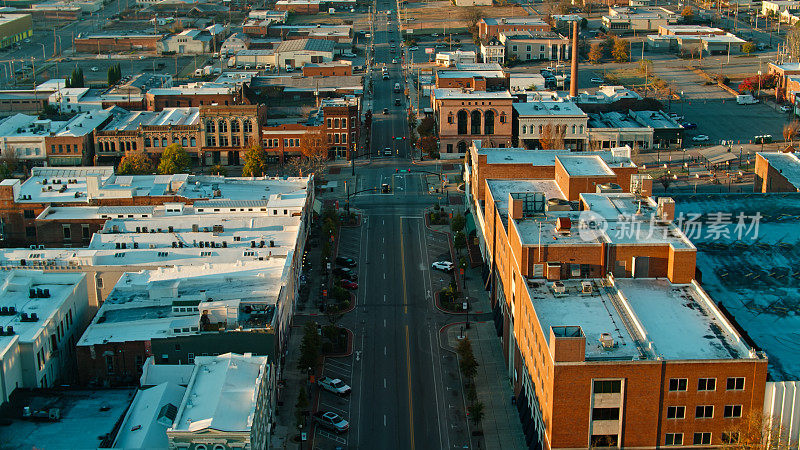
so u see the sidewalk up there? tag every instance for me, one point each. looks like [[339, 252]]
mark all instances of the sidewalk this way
[[292, 379]]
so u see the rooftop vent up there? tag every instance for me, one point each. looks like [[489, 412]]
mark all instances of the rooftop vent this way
[[607, 341], [559, 288]]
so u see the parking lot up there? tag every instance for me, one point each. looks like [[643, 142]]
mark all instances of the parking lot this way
[[731, 121]]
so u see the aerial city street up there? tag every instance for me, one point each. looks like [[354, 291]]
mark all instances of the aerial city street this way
[[396, 224]]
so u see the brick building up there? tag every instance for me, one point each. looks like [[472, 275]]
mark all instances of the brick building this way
[[463, 115], [104, 43], [283, 141], [327, 70], [479, 77], [342, 125], [194, 95], [608, 340], [490, 27], [226, 131], [777, 172]]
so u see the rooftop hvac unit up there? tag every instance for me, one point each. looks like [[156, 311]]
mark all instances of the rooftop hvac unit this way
[[607, 341], [586, 287], [559, 288]]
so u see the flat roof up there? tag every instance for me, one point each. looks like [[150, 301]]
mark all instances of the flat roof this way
[[788, 164], [142, 426], [458, 93], [750, 266], [14, 292], [491, 21], [584, 165], [222, 393], [547, 157], [548, 108]]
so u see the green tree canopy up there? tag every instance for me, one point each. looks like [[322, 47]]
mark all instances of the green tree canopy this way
[[255, 161], [174, 160], [135, 164]]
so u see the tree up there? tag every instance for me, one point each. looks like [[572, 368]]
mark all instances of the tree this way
[[608, 44], [687, 14], [476, 413], [748, 47], [217, 169], [752, 84], [114, 74], [596, 53], [426, 126], [790, 131], [428, 144], [309, 347], [459, 241], [552, 137], [255, 161], [458, 223], [466, 359], [473, 16], [301, 407], [76, 79], [174, 160], [665, 180], [312, 144], [758, 432], [620, 50], [135, 164], [792, 45], [646, 66]]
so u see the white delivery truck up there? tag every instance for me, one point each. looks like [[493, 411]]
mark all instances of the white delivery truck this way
[[746, 99]]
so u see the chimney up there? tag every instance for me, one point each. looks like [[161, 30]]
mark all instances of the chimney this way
[[514, 208], [573, 75]]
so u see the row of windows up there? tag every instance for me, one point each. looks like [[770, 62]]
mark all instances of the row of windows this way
[[163, 142], [67, 230], [704, 412], [337, 123], [706, 384], [211, 141], [559, 129], [61, 148], [701, 438], [235, 125], [337, 138]]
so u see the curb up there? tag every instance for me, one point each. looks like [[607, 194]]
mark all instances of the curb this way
[[440, 308], [349, 352]]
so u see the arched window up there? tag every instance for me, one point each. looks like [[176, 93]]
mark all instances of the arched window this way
[[524, 129], [234, 126], [184, 142], [450, 118], [133, 144], [200, 447], [193, 142], [155, 142], [581, 129], [502, 117], [223, 126], [210, 126], [488, 122], [113, 147], [164, 142], [573, 129], [462, 147], [462, 122], [147, 142], [475, 122], [248, 126], [541, 129]]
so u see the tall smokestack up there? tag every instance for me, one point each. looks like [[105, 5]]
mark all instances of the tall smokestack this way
[[573, 76]]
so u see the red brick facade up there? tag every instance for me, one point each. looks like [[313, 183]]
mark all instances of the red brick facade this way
[[116, 44]]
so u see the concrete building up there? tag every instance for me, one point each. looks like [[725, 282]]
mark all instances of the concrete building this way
[[298, 52], [623, 20], [539, 124], [14, 28], [777, 172], [492, 27], [642, 129], [229, 402], [195, 95], [606, 95], [463, 115], [450, 59], [235, 43], [42, 316], [776, 8], [535, 46], [493, 51], [190, 41]]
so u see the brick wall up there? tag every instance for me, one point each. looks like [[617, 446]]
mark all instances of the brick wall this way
[[115, 44], [769, 179], [95, 361], [328, 71]]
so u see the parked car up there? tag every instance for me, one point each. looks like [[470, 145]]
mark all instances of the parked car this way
[[334, 385], [385, 75], [397, 102], [700, 138], [94, 69], [689, 125], [346, 262], [331, 421], [347, 284], [597, 80], [414, 48], [386, 110], [345, 273], [447, 266], [787, 108]]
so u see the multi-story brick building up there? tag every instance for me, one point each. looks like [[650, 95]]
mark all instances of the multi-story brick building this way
[[103, 43], [328, 70], [463, 115], [550, 121], [609, 341], [226, 131], [194, 95], [492, 27], [777, 172], [283, 141], [342, 125], [480, 77]]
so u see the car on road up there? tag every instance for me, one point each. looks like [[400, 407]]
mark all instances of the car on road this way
[[386, 110], [334, 385], [385, 75], [347, 284], [786, 108], [397, 102], [414, 48], [689, 125], [394, 61], [349, 55], [385, 189], [597, 80], [346, 262], [700, 138], [387, 151], [94, 69], [345, 273], [447, 266], [332, 421]]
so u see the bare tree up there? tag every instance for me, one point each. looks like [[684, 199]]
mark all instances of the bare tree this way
[[793, 42], [756, 432], [790, 131], [552, 136]]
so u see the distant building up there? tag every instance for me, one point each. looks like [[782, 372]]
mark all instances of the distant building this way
[[235, 42], [450, 59], [538, 120], [480, 77], [493, 51], [473, 2], [463, 115], [641, 129], [491, 27], [777, 172], [535, 46], [332, 69], [784, 72], [41, 318], [622, 19], [15, 28], [191, 41], [103, 43]]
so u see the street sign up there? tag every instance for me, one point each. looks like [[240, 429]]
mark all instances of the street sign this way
[[464, 305], [429, 51]]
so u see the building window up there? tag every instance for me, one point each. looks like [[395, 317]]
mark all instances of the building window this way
[[164, 142], [706, 384], [147, 142], [344, 122], [210, 126], [335, 123], [223, 126], [704, 412], [67, 231], [732, 411], [211, 141], [449, 148], [605, 413], [184, 142], [109, 364], [192, 142], [28, 214], [450, 118], [488, 122], [235, 141], [730, 437], [330, 123], [702, 439], [607, 386], [673, 439], [248, 126], [462, 118], [677, 384], [735, 384], [223, 141], [155, 142], [234, 126], [85, 231], [676, 412], [475, 122], [502, 117], [190, 358]]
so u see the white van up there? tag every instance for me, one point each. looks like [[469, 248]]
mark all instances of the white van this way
[[746, 99]]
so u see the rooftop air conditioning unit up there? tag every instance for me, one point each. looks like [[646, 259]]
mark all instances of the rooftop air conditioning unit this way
[[586, 287], [559, 288], [607, 341]]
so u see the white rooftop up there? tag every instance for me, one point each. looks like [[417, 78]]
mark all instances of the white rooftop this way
[[222, 394], [468, 94], [148, 417], [584, 165], [548, 108], [788, 164]]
